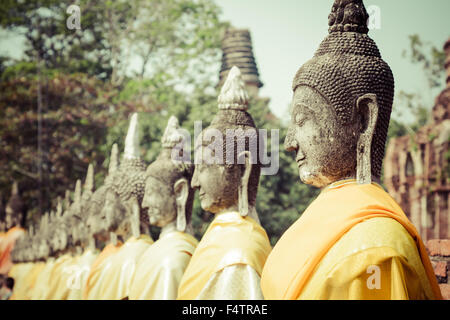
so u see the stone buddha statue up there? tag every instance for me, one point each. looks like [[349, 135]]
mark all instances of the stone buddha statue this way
[[14, 208], [42, 246], [122, 207], [59, 240], [125, 218], [71, 223], [96, 221], [353, 241], [99, 230], [62, 234], [228, 261], [168, 198], [85, 251]]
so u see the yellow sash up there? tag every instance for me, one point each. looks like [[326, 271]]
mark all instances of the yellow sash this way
[[117, 276], [93, 282], [161, 267], [230, 239], [335, 211]]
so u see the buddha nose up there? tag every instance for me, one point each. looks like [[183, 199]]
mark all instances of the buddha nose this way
[[194, 182], [290, 143], [89, 224]]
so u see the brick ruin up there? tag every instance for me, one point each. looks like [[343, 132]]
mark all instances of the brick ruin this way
[[439, 251], [417, 175], [417, 171]]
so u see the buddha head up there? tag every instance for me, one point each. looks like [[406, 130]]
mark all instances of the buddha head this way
[[96, 221], [227, 166], [74, 215], [59, 236], [342, 103], [122, 207], [41, 242], [168, 194], [14, 208]]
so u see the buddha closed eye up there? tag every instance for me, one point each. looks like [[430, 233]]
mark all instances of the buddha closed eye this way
[[321, 146]]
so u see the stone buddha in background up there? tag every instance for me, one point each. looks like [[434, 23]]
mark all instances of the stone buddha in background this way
[[98, 229], [125, 218], [353, 241], [168, 198], [228, 261]]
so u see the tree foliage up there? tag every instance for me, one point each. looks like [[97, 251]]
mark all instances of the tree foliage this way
[[431, 60], [77, 88]]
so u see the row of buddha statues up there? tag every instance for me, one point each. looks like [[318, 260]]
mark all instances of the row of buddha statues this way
[[352, 242]]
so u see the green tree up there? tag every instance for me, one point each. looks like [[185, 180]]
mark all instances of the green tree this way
[[431, 60], [47, 151], [72, 85]]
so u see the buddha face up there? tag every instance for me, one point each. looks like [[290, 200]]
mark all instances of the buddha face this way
[[53, 241], [325, 150], [63, 239], [217, 183], [115, 213], [44, 249], [96, 225], [159, 199], [96, 221], [8, 222]]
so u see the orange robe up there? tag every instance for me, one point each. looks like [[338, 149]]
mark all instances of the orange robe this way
[[92, 289], [41, 286], [161, 267], [59, 284], [80, 273], [230, 240], [6, 246], [32, 278], [20, 272], [339, 210], [117, 276]]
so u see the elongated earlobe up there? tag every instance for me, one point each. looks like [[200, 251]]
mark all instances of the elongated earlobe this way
[[243, 186], [181, 188], [135, 218], [367, 108]]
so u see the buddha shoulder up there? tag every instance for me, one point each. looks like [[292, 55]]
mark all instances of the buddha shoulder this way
[[375, 233]]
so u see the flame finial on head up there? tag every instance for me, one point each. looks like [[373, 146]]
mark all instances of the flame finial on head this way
[[77, 194], [114, 159], [89, 182], [59, 207], [132, 140], [67, 200], [233, 95], [15, 189], [171, 135]]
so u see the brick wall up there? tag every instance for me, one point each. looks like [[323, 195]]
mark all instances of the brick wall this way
[[439, 251]]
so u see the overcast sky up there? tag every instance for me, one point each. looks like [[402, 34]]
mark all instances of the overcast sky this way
[[286, 33]]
